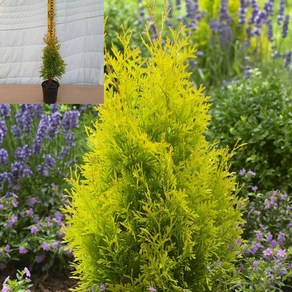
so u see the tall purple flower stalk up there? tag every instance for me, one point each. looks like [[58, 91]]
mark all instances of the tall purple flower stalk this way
[[285, 27], [280, 16], [242, 12], [32, 138]]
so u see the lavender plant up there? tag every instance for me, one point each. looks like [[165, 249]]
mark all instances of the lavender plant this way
[[22, 283], [228, 33], [266, 263], [36, 152]]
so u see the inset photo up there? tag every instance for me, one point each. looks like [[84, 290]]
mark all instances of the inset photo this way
[[51, 51]]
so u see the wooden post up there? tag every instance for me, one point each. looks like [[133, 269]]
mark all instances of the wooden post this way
[[51, 22]]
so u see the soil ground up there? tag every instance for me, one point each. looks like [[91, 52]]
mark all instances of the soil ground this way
[[49, 282]]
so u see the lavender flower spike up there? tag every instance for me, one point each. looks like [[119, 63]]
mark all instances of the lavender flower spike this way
[[285, 27], [280, 16], [288, 59]]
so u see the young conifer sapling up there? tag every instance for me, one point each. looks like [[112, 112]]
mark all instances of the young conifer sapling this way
[[52, 69]]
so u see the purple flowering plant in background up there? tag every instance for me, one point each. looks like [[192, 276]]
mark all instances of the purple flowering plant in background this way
[[21, 283], [37, 149], [266, 262], [227, 33]]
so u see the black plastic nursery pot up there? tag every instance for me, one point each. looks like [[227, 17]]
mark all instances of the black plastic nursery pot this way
[[50, 91]]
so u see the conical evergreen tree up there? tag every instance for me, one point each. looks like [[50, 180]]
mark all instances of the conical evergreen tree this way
[[155, 206]]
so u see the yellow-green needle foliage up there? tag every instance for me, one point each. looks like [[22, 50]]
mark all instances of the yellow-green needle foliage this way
[[53, 66], [154, 208]]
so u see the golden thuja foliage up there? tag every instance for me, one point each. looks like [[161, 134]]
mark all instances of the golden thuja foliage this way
[[155, 204]]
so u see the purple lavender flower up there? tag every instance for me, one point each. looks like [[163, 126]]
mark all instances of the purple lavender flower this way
[[274, 243], [27, 172], [280, 16], [255, 264], [54, 125], [2, 135], [5, 287], [288, 59], [22, 153], [247, 60], [3, 127], [3, 156], [254, 188], [48, 221], [5, 111], [36, 219], [259, 235], [215, 26], [17, 168], [14, 203], [33, 229], [267, 253], [46, 246], [255, 10], [27, 272], [24, 117], [10, 222], [10, 195], [54, 107], [70, 138], [42, 169], [254, 249], [55, 245], [269, 236], [58, 218], [30, 212], [31, 201], [259, 19], [242, 12], [282, 272], [152, 289], [200, 54], [252, 173], [178, 4], [68, 252], [281, 238], [102, 287], [70, 120], [247, 71], [7, 248], [41, 134], [270, 30], [22, 250], [285, 27], [16, 131], [268, 7], [281, 253], [153, 31], [242, 171], [50, 162]]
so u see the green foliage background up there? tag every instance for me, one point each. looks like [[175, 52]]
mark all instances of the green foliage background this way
[[259, 112]]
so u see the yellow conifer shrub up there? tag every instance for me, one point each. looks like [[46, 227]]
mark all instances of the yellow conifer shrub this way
[[155, 204]]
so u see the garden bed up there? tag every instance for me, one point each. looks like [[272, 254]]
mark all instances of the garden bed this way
[[49, 282]]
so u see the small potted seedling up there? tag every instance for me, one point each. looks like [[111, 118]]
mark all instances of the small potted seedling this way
[[52, 69]]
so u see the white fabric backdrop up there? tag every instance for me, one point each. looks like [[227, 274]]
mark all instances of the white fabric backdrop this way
[[79, 27]]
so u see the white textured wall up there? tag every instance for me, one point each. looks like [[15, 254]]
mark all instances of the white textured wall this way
[[79, 27]]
